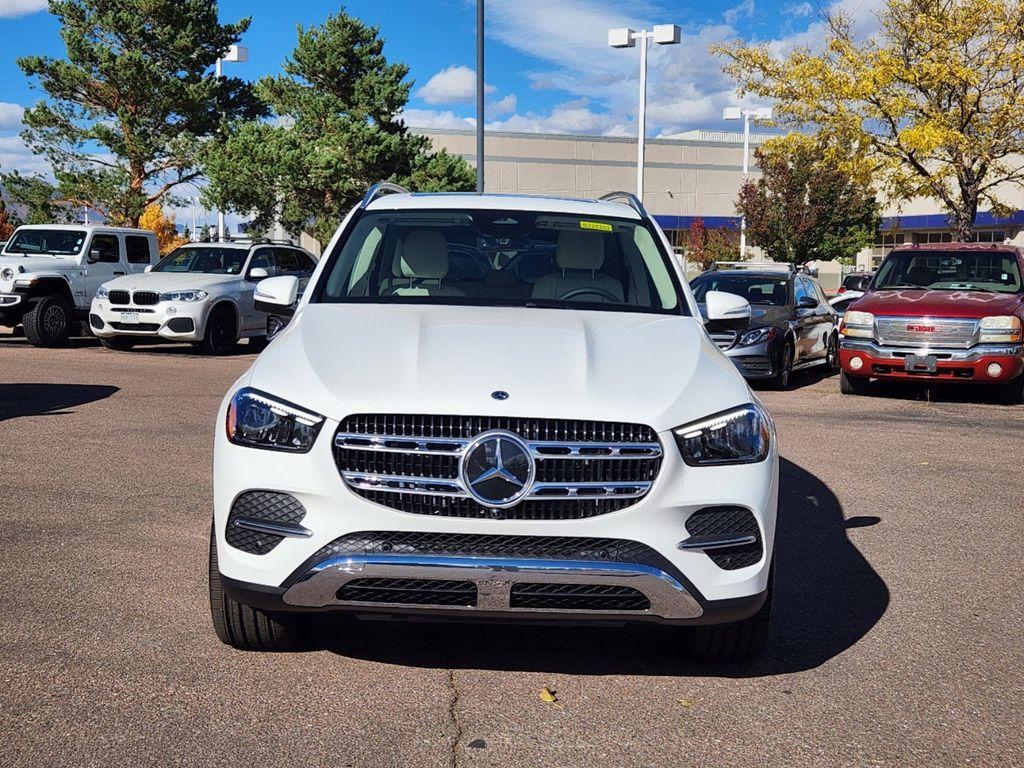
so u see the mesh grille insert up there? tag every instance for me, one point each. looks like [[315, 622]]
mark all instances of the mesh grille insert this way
[[409, 591], [268, 506], [727, 521], [583, 597]]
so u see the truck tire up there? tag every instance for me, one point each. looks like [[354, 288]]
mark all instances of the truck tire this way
[[221, 335], [118, 343], [852, 385], [243, 627], [739, 641], [49, 322], [1012, 392]]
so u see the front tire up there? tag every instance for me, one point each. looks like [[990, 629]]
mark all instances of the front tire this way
[[832, 354], [221, 336], [737, 642], [1012, 392], [781, 379], [49, 322], [118, 343], [245, 628], [852, 385]]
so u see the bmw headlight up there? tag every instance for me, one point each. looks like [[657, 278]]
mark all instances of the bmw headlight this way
[[184, 296], [258, 420], [738, 436], [102, 292], [756, 336], [858, 325]]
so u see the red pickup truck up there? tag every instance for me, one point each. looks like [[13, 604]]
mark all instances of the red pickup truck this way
[[939, 312]]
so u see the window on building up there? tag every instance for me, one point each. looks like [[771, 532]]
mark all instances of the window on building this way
[[923, 238], [884, 242]]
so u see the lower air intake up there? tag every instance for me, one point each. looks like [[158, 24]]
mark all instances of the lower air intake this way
[[579, 597], [409, 592]]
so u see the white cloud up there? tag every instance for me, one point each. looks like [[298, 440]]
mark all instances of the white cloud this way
[[743, 10], [11, 8], [10, 116], [503, 106], [15, 156], [798, 10], [431, 118], [574, 116], [451, 85]]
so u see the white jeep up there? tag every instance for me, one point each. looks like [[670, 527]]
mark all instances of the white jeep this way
[[49, 273], [200, 293]]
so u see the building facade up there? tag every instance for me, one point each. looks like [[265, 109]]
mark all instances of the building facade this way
[[690, 175]]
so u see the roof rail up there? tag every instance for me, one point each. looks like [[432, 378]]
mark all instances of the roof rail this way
[[382, 188], [628, 198], [768, 266]]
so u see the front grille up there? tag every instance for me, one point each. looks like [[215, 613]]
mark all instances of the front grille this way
[[724, 522], [146, 298], [926, 331], [411, 463], [119, 297], [723, 339], [135, 326], [262, 506], [409, 592], [579, 597], [587, 549]]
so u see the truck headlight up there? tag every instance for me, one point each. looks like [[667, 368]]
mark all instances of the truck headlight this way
[[258, 420], [756, 336], [1003, 329], [102, 292], [184, 296], [8, 273], [858, 324], [738, 436]]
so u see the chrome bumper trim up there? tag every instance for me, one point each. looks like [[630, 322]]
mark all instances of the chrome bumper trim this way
[[945, 354], [715, 542], [452, 446], [494, 577], [276, 529], [9, 299], [450, 487]]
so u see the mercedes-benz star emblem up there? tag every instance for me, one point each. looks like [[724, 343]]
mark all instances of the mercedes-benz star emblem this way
[[497, 469]]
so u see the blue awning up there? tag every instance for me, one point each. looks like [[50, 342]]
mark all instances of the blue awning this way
[[921, 221]]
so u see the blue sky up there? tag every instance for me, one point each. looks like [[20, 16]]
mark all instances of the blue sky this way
[[548, 65]]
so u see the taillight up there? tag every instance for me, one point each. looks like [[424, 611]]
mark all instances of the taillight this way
[[842, 289]]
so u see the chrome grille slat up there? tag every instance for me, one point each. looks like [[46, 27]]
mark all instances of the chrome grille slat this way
[[541, 449], [442, 486], [723, 339], [949, 331]]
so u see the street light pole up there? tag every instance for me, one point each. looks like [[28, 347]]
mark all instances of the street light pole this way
[[235, 53], [735, 113], [479, 97], [662, 34]]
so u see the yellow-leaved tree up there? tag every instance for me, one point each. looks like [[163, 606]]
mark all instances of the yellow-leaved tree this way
[[167, 237], [931, 105]]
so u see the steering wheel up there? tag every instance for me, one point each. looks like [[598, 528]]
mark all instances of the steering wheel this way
[[603, 293]]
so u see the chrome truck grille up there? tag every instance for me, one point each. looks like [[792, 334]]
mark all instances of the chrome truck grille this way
[[723, 339], [926, 332], [414, 463]]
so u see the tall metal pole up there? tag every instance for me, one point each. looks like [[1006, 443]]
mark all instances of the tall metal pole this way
[[746, 166], [219, 72], [641, 116], [479, 96]]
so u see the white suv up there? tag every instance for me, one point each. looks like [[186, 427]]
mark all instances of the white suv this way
[[200, 293], [49, 273], [491, 405]]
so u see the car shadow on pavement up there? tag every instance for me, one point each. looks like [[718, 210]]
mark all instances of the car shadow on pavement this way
[[49, 399], [934, 392], [827, 597]]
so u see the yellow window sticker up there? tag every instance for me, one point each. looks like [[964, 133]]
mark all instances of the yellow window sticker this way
[[596, 226]]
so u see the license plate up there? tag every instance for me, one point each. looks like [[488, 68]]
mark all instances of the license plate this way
[[920, 363], [129, 317]]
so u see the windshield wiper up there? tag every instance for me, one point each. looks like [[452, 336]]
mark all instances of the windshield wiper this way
[[907, 285]]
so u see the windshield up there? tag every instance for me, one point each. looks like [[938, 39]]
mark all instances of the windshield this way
[[757, 289], [55, 242], [209, 259], [966, 270], [509, 258]]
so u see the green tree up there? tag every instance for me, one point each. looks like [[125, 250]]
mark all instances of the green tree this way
[[930, 106], [37, 196], [804, 207], [127, 111], [337, 131]]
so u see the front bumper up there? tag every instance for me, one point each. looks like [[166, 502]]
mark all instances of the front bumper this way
[[757, 361], [683, 586], [156, 321], [967, 365]]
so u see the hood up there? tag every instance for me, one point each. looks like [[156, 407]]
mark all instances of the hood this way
[[340, 359], [169, 281], [914, 302], [36, 263]]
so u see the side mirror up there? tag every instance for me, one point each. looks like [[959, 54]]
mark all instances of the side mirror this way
[[95, 255], [276, 294], [727, 310], [808, 302], [149, 268], [258, 273]]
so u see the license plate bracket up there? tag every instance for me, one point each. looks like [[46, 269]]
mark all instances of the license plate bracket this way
[[132, 318], [920, 364]]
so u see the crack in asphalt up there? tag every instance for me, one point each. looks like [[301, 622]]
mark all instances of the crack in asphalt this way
[[453, 703]]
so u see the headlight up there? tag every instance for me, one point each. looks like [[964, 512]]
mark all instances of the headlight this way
[[756, 336], [102, 292], [739, 436], [8, 273], [184, 296], [258, 420], [1000, 328], [858, 324]]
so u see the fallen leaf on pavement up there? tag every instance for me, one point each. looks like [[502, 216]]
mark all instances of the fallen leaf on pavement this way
[[686, 703], [546, 694]]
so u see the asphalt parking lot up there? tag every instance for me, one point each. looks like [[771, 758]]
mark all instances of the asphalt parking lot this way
[[896, 641]]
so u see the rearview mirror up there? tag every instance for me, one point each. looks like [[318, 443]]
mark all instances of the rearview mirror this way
[[727, 310], [275, 293]]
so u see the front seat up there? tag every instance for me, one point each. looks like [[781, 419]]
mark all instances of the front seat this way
[[578, 255], [420, 266], [921, 274]]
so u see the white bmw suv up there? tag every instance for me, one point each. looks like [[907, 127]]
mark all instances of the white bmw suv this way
[[495, 406]]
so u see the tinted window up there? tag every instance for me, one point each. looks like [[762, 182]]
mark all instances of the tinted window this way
[[953, 270], [292, 262], [137, 249], [61, 242], [757, 289], [803, 290], [105, 248], [208, 259], [263, 258]]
